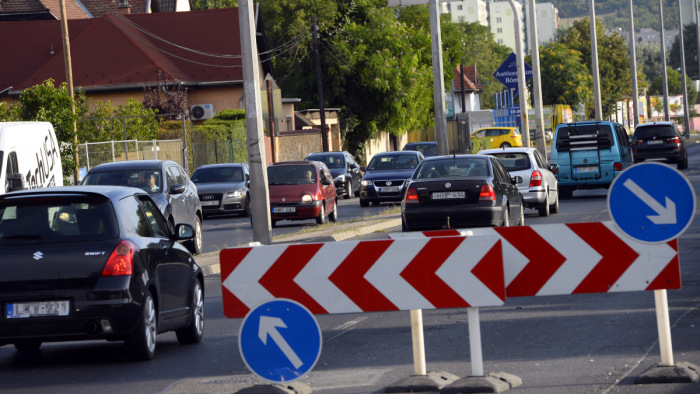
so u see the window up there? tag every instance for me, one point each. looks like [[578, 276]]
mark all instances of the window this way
[[459, 8], [155, 219], [171, 176], [498, 20], [499, 30]]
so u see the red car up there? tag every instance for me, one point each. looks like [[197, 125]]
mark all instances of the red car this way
[[301, 190]]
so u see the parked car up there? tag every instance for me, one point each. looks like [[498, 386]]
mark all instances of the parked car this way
[[498, 137], [386, 175], [427, 148], [461, 191], [301, 190], [223, 188], [95, 262], [659, 140], [165, 181], [344, 169], [589, 155], [539, 186]]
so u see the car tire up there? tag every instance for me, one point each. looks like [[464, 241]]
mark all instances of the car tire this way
[[141, 345], [404, 227], [521, 220], [683, 163], [195, 245], [505, 145], [506, 218], [333, 216], [554, 208], [195, 330], [348, 190], [273, 223], [321, 218], [28, 346], [246, 208], [544, 208], [364, 203]]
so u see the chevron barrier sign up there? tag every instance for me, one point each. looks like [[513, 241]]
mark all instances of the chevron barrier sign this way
[[366, 276], [560, 259]]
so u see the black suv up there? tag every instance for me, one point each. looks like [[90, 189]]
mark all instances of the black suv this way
[[659, 140]]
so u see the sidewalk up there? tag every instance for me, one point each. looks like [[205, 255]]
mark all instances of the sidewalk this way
[[333, 232]]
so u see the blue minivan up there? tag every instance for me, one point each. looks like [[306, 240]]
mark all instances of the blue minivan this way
[[589, 155]]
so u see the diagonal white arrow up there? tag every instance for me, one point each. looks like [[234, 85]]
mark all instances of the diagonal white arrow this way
[[665, 215], [268, 326]]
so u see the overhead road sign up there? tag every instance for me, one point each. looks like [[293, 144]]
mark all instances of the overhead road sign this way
[[365, 276], [652, 202], [507, 73], [280, 340]]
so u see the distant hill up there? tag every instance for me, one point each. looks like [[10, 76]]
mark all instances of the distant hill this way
[[615, 13]]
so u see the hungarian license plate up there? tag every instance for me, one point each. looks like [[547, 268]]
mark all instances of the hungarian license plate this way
[[284, 209], [447, 195], [654, 142], [586, 169], [210, 203], [389, 189], [20, 310]]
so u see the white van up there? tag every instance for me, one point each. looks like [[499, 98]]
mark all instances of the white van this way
[[29, 156]]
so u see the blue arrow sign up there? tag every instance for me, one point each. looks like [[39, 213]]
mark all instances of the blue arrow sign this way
[[507, 73], [651, 202], [280, 340]]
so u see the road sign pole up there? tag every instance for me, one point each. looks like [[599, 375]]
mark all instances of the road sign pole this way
[[477, 358], [664, 326], [418, 342]]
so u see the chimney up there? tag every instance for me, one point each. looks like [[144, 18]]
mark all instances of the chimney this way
[[124, 8]]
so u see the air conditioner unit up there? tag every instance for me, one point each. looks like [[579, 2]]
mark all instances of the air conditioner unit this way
[[202, 111]]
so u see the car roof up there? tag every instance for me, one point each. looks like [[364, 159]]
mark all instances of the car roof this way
[[647, 124], [397, 153], [132, 165], [495, 127], [461, 156], [222, 165], [327, 153], [421, 143], [502, 150], [296, 162], [111, 192]]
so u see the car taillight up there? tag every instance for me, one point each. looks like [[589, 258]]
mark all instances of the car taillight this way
[[121, 261], [487, 193], [536, 178], [674, 140], [617, 166], [411, 196]]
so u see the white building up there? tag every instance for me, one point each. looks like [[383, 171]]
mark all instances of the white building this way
[[469, 11], [547, 17], [502, 23]]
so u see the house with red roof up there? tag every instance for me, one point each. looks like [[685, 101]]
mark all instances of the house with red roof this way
[[25, 10], [466, 86]]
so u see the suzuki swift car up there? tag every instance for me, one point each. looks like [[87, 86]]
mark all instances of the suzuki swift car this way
[[95, 262]]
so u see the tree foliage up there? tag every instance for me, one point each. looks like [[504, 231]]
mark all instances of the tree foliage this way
[[649, 59], [169, 101], [108, 123], [690, 48], [675, 85], [568, 80]]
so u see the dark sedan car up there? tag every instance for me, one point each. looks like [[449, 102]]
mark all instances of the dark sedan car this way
[[95, 262], [386, 175], [165, 181], [659, 140], [461, 191], [344, 169], [223, 188], [427, 148]]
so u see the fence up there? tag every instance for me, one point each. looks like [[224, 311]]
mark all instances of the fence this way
[[91, 154], [213, 152]]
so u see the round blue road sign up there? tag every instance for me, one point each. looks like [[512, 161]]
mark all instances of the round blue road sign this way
[[280, 340], [651, 202]]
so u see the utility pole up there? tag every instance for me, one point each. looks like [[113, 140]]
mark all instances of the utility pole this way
[[522, 88], [260, 203], [536, 84], [319, 82], [664, 75], [438, 79], [686, 106], [594, 65], [271, 119], [69, 82], [633, 61]]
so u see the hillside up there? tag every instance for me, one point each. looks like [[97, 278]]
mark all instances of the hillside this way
[[616, 12]]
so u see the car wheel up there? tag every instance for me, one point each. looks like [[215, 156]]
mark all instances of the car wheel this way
[[521, 220], [544, 208], [273, 223], [246, 208], [683, 163], [195, 245], [348, 190], [404, 227], [505, 145], [554, 208], [321, 218], [194, 332], [364, 203], [506, 218], [333, 217], [28, 346], [142, 343]]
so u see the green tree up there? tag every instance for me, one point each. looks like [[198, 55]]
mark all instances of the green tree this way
[[213, 4], [106, 122], [690, 46], [567, 80], [675, 87], [649, 59]]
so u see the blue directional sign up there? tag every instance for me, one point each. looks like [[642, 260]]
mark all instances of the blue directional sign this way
[[651, 202], [280, 340], [507, 73]]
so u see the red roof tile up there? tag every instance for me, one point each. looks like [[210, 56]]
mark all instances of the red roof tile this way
[[470, 80]]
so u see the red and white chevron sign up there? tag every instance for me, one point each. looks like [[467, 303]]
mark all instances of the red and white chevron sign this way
[[558, 259], [366, 276]]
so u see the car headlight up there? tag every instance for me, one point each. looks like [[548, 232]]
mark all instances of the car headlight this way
[[339, 178], [236, 193], [366, 182], [307, 198]]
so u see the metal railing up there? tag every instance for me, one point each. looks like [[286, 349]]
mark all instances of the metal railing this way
[[94, 153]]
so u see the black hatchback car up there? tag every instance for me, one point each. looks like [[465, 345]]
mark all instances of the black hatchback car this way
[[659, 140], [165, 181], [95, 262], [344, 169]]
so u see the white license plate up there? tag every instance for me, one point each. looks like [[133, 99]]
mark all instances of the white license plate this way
[[284, 210], [390, 189], [210, 203], [586, 169], [21, 310], [447, 195], [654, 142]]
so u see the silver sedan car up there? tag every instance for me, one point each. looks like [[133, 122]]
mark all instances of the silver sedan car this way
[[539, 186], [223, 188]]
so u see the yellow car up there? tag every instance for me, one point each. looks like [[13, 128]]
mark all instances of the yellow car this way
[[498, 137]]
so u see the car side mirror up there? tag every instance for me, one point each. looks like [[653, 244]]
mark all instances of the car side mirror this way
[[363, 169], [184, 231], [16, 182], [177, 189], [327, 181], [517, 179]]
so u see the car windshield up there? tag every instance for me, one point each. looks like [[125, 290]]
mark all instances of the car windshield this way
[[425, 149], [331, 161], [453, 167], [291, 174], [513, 161], [57, 219], [217, 174], [147, 180], [393, 162]]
